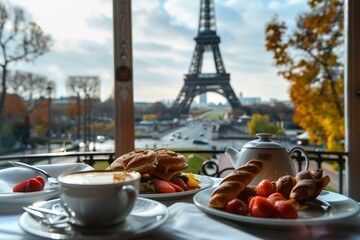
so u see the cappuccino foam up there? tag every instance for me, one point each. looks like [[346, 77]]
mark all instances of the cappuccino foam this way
[[97, 177]]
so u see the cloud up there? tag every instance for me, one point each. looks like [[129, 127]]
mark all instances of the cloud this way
[[183, 12], [163, 43]]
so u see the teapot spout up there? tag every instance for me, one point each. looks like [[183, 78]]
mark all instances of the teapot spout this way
[[232, 153]]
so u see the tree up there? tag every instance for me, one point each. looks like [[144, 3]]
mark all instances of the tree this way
[[277, 111], [20, 40], [13, 111], [21, 131], [14, 108], [311, 60], [261, 124], [89, 87], [32, 89], [29, 86], [150, 117], [162, 112]]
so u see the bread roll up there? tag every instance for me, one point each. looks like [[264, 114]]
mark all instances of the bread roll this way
[[233, 184], [169, 164], [142, 161]]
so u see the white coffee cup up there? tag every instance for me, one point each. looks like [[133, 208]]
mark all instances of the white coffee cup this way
[[99, 198]]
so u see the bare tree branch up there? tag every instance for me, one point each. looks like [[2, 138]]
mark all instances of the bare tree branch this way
[[20, 40]]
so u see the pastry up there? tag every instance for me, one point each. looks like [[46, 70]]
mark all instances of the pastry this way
[[309, 185], [169, 164], [142, 161], [233, 184], [284, 185]]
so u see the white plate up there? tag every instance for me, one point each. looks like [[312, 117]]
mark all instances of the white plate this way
[[327, 207], [19, 197], [12, 202], [205, 182], [146, 216]]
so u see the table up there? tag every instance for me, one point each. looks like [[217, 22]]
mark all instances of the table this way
[[186, 221]]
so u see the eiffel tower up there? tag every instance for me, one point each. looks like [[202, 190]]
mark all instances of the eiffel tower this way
[[196, 82]]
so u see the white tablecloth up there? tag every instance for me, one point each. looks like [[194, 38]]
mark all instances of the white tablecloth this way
[[186, 221]]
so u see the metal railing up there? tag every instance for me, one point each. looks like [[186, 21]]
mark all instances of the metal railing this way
[[209, 167], [85, 157]]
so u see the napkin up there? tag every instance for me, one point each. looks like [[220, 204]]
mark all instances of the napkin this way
[[186, 221]]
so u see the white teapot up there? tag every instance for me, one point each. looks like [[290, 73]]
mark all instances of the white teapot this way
[[276, 158]]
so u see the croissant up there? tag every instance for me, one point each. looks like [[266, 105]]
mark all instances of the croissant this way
[[233, 184], [284, 185], [309, 185]]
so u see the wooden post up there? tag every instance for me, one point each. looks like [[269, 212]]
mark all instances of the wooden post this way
[[352, 97], [123, 69]]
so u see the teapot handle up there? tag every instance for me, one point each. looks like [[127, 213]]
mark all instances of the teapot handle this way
[[293, 149]]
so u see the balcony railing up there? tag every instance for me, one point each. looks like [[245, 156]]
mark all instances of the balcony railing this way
[[209, 167]]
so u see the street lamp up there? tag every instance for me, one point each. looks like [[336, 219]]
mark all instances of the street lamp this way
[[78, 116], [49, 88]]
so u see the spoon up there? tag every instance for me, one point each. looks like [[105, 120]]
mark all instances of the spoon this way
[[51, 180], [59, 220]]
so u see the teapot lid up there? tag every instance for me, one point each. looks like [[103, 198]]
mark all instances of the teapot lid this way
[[263, 142]]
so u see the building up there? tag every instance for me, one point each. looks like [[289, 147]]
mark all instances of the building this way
[[249, 100]]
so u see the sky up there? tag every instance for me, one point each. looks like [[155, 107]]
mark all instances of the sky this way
[[163, 44]]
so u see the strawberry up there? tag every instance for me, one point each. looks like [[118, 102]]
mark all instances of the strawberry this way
[[33, 185], [41, 180], [21, 187], [162, 186], [180, 183], [176, 187], [286, 210]]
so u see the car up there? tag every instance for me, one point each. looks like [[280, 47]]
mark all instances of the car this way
[[100, 138], [200, 142]]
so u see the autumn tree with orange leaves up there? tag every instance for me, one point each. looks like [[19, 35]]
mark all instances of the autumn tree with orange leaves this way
[[33, 90], [20, 40], [310, 58], [14, 108]]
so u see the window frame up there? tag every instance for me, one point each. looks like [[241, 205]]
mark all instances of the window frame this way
[[352, 97]]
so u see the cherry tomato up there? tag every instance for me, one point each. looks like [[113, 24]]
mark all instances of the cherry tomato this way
[[286, 210], [275, 197], [237, 206], [265, 188], [260, 207]]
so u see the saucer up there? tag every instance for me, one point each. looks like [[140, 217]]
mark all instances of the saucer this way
[[146, 216]]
